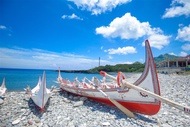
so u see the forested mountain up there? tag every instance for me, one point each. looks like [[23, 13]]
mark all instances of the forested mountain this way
[[164, 57]]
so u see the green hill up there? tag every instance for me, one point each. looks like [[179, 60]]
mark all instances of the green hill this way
[[164, 57], [135, 67]]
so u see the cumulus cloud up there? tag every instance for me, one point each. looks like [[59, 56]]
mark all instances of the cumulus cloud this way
[[73, 16], [172, 54], [123, 51], [183, 54], [184, 34], [158, 41], [178, 8], [186, 47], [129, 27], [99, 6], [42, 59]]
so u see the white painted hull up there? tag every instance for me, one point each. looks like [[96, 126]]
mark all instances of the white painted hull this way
[[40, 94], [3, 88]]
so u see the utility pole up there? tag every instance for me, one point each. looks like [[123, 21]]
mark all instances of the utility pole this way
[[99, 61]]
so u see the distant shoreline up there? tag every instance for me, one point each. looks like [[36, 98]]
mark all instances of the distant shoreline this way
[[78, 71]]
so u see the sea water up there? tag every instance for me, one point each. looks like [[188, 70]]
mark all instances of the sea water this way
[[18, 79]]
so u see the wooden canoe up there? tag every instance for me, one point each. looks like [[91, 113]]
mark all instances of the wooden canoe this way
[[131, 99], [3, 88], [40, 94]]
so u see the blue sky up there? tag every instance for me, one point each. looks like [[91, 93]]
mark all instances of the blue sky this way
[[73, 34]]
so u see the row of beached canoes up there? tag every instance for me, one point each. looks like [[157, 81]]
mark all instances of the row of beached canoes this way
[[141, 96]]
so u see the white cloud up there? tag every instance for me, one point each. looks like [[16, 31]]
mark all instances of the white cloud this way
[[125, 27], [129, 27], [186, 47], [158, 40], [70, 7], [184, 34], [2, 27], [99, 6], [179, 7], [124, 50], [183, 54], [42, 59], [73, 16], [172, 54]]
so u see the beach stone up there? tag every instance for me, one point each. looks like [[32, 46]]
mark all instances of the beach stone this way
[[66, 100], [1, 101], [16, 122], [23, 110], [30, 122], [79, 103], [71, 124], [51, 123], [70, 97], [112, 111], [82, 125], [3, 124], [83, 98], [106, 124], [37, 120], [76, 98], [23, 118], [38, 125]]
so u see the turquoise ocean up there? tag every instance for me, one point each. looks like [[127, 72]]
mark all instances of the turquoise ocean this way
[[18, 79]]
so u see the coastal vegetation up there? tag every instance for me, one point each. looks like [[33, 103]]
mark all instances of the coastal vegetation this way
[[135, 67]]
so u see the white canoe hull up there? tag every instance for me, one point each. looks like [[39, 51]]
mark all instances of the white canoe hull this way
[[3, 88], [40, 94]]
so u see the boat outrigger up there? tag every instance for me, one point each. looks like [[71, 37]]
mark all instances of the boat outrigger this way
[[143, 96]]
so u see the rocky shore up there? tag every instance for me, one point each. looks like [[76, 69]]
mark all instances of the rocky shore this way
[[67, 110]]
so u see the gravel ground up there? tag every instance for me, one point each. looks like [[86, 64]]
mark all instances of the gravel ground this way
[[67, 110]]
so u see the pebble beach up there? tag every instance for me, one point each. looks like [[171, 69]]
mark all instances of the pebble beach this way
[[67, 110]]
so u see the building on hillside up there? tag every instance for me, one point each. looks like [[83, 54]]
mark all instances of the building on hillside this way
[[178, 65]]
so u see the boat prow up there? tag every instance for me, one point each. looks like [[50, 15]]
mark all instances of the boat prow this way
[[40, 94], [3, 88]]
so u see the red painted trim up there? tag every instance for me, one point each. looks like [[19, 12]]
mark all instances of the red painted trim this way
[[143, 108], [148, 109], [103, 73], [120, 74]]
